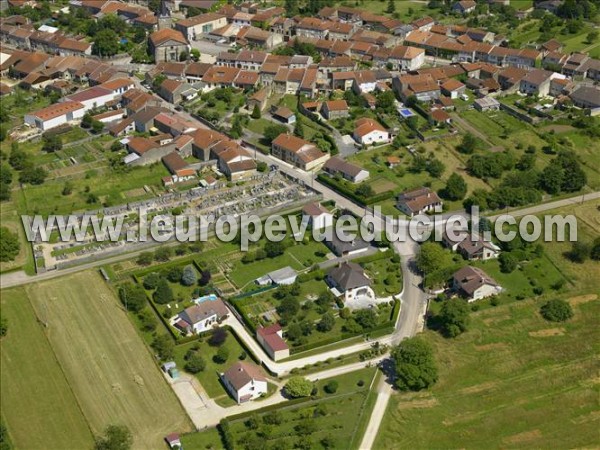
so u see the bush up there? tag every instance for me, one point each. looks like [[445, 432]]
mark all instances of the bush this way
[[189, 278], [218, 337], [298, 387], [195, 362], [508, 262], [414, 364], [222, 355], [556, 310], [151, 281], [133, 297], [331, 387]]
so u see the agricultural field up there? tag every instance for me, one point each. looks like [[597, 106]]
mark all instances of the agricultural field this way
[[38, 404], [110, 372], [512, 380]]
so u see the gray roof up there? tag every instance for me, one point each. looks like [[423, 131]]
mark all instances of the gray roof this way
[[282, 274], [339, 247], [587, 94], [349, 275], [204, 310]]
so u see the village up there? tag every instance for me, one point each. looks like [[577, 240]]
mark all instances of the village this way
[[311, 110]]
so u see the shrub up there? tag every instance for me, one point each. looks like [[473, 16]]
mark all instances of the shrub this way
[[556, 310], [331, 387], [298, 387]]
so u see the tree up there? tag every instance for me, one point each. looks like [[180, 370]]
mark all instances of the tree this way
[[106, 43], [147, 320], [456, 188], [508, 262], [183, 56], [133, 297], [189, 278], [595, 251], [163, 293], [436, 168], [164, 346], [574, 176], [289, 307], [454, 317], [97, 126], [391, 7], [151, 281], [3, 328], [18, 158], [205, 277], [468, 144], [256, 112], [195, 54], [365, 190], [86, 120], [194, 362], [272, 131], [9, 245], [67, 188], [414, 364], [163, 254], [222, 355], [274, 249], [174, 274], [331, 387], [430, 258], [298, 387], [218, 337], [291, 8], [580, 252], [556, 310], [366, 318], [299, 128], [592, 37], [326, 323], [145, 259], [552, 178], [52, 143], [116, 437], [33, 175]]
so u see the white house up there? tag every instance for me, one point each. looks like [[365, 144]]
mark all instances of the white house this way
[[318, 216], [55, 115], [471, 247], [94, 97], [474, 284], [419, 201], [244, 381], [283, 276], [368, 131], [348, 280], [201, 317]]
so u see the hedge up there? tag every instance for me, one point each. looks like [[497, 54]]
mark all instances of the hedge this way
[[292, 402], [374, 257], [343, 190]]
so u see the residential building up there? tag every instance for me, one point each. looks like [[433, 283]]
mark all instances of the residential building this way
[[419, 201], [196, 26], [486, 104], [283, 114], [55, 115], [318, 216], [244, 381], [206, 314], [349, 281], [453, 88], [369, 132], [471, 247], [271, 339], [474, 284], [536, 82], [586, 97], [294, 150], [346, 247], [464, 6], [337, 166], [335, 109], [167, 45]]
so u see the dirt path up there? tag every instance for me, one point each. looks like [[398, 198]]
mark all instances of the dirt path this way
[[462, 123]]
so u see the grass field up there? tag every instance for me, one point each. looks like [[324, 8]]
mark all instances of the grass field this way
[[512, 381], [107, 366], [9, 217], [38, 405]]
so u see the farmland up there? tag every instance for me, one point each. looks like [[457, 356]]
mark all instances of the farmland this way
[[109, 370], [512, 380], [38, 405]]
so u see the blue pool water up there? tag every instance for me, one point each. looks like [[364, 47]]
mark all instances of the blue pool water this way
[[210, 297]]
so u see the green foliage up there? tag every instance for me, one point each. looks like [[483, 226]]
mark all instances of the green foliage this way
[[556, 310], [430, 258], [366, 318], [222, 355], [272, 131], [189, 278], [145, 259], [106, 43], [163, 293], [331, 387], [33, 175], [508, 262], [326, 323], [133, 297], [468, 144], [164, 346], [256, 112], [595, 251], [454, 317], [580, 252], [414, 364], [51, 143], [116, 437], [9, 245], [194, 362], [456, 188], [298, 387]]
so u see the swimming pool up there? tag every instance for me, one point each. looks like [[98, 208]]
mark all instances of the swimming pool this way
[[210, 297], [406, 113]]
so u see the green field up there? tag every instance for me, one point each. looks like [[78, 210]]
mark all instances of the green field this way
[[39, 407], [9, 217], [512, 381], [109, 371]]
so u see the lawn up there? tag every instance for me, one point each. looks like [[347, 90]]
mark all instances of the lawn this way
[[11, 220], [38, 405], [405, 9], [209, 377], [512, 380], [110, 371]]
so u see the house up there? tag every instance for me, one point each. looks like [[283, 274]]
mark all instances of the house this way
[[368, 131], [294, 150], [196, 26], [471, 247], [179, 169], [438, 116], [346, 248], [419, 201], [586, 97], [474, 283], [464, 6], [55, 115], [453, 88], [233, 160], [167, 45], [318, 216], [94, 97], [271, 339], [207, 313], [334, 109], [284, 114], [256, 37], [259, 98], [348, 280], [406, 58], [279, 277], [312, 27], [175, 91], [337, 166], [244, 381], [536, 82], [486, 104]]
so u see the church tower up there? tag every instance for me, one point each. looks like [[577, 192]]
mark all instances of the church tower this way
[[164, 16]]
